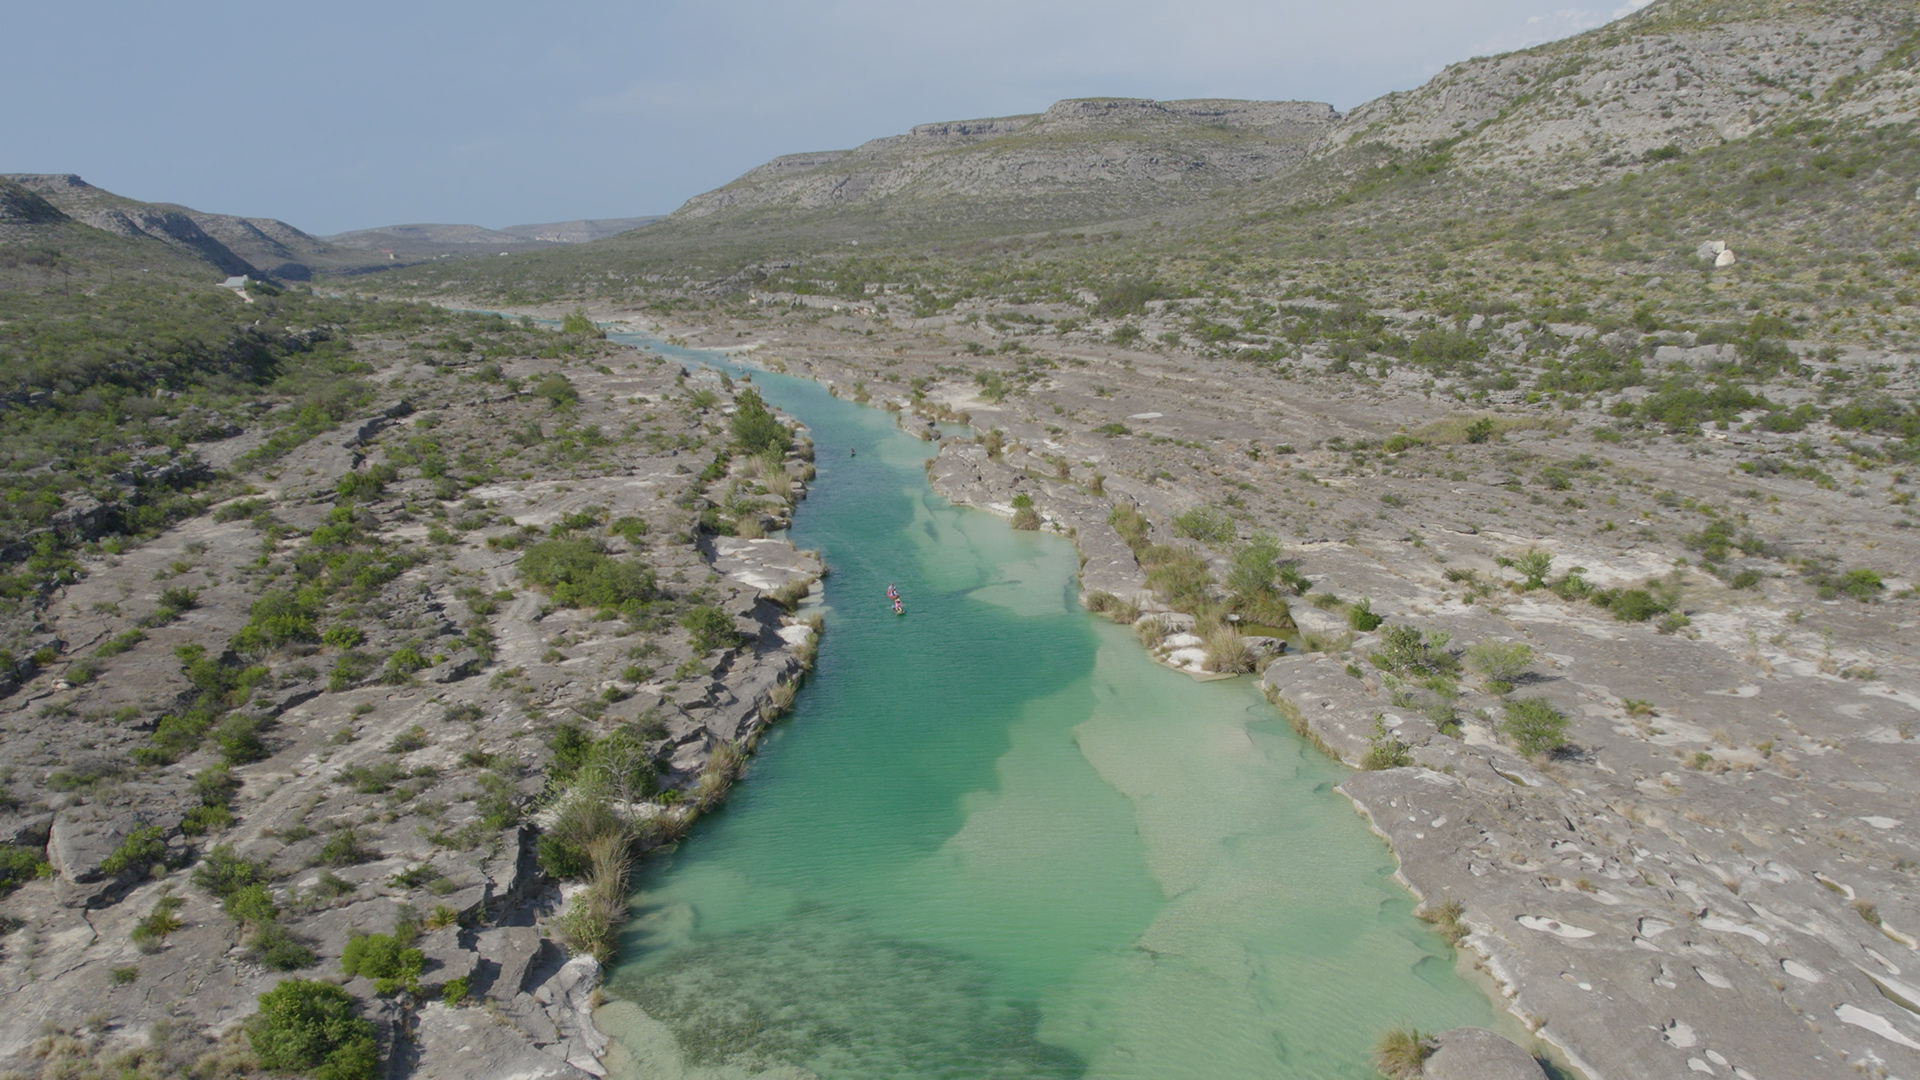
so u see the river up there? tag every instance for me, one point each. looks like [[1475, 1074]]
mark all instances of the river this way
[[993, 839]]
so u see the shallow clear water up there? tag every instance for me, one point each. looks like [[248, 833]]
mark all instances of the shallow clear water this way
[[994, 840]]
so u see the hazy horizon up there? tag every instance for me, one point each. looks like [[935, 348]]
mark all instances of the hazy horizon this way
[[356, 116]]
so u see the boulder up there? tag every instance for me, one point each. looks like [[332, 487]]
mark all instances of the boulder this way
[[446, 959], [1477, 1054], [505, 954], [469, 1044]]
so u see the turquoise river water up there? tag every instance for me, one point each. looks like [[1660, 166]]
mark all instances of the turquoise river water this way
[[994, 840]]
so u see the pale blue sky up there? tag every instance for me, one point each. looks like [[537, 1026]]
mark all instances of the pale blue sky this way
[[348, 114]]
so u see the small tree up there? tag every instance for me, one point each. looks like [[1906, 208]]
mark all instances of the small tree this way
[[1535, 726], [755, 427]]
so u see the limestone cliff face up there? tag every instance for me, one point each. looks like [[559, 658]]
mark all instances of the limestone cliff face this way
[[1681, 73], [1080, 159]]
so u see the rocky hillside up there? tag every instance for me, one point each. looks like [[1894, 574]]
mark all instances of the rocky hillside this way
[[1675, 77], [310, 730], [229, 244], [1081, 160]]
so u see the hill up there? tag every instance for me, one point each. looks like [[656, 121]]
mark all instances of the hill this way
[[1081, 160], [263, 247]]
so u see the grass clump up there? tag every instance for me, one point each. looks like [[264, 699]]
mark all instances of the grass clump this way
[[1121, 611], [1447, 919], [1228, 653], [1401, 1053], [161, 923]]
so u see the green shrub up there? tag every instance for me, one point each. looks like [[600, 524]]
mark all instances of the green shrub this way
[[251, 905], [278, 618], [1205, 524], [370, 484], [348, 670], [1501, 661], [1635, 605], [344, 848], [1361, 616], [387, 959], [1384, 749], [558, 389], [223, 872], [311, 1028], [238, 737], [276, 949], [402, 663], [1861, 584], [139, 850], [1405, 650], [120, 643], [342, 636], [710, 629], [1533, 568], [19, 865], [581, 574], [206, 819], [455, 992], [1535, 726]]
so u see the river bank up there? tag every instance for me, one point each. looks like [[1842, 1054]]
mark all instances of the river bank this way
[[1666, 834], [703, 917]]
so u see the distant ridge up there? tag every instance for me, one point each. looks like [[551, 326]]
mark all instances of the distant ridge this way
[[428, 240]]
